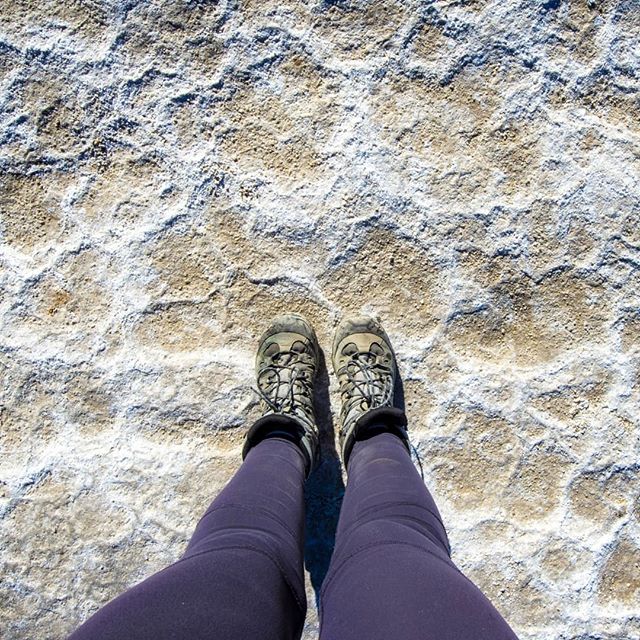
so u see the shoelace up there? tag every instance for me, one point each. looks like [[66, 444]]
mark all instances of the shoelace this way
[[376, 387], [291, 397]]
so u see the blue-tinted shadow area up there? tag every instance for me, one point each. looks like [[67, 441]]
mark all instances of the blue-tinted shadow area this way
[[324, 490]]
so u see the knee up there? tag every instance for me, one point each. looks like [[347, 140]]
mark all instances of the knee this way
[[381, 529]]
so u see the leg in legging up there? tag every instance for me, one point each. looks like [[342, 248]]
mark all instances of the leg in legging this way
[[241, 577], [391, 575]]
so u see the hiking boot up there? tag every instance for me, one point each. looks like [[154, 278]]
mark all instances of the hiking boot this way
[[286, 364], [366, 368]]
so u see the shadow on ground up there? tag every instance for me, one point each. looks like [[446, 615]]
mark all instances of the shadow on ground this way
[[325, 488]]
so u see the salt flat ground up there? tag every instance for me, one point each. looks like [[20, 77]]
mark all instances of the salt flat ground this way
[[174, 173]]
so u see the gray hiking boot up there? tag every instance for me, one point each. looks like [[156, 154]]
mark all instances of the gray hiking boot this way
[[286, 364], [366, 368]]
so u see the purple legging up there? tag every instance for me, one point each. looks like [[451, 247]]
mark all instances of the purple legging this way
[[242, 574]]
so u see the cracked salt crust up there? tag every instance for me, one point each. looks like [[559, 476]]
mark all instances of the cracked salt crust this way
[[175, 173]]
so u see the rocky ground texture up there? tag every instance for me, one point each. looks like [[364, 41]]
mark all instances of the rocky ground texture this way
[[173, 173]]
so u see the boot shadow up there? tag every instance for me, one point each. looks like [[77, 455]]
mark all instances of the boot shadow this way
[[399, 402], [323, 491]]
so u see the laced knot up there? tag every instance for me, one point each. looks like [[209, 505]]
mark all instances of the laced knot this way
[[369, 382], [285, 384]]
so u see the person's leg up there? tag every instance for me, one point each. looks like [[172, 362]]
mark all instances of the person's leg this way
[[391, 575], [241, 576]]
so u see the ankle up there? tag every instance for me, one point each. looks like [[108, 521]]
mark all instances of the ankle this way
[[283, 427], [373, 430], [376, 443], [374, 422]]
